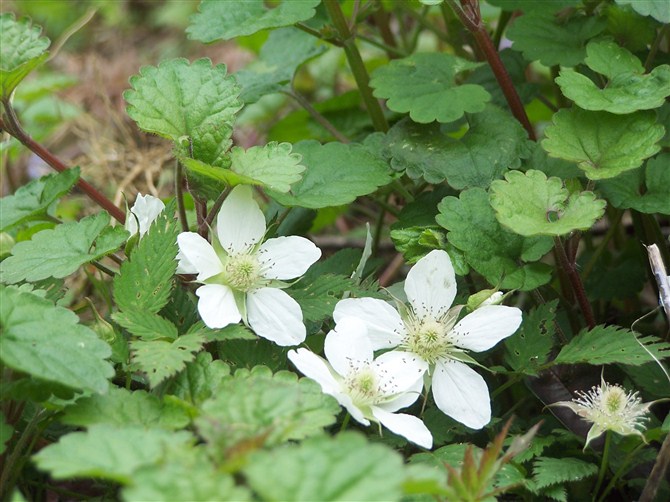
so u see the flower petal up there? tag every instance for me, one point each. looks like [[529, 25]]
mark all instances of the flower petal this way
[[348, 347], [274, 315], [287, 257], [385, 327], [314, 367], [184, 266], [145, 210], [461, 393], [399, 371], [217, 306], [431, 285], [485, 327], [404, 425], [199, 254], [240, 224], [404, 399]]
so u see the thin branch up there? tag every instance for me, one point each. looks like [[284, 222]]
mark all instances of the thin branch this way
[[209, 221], [323, 121], [179, 193], [576, 282]]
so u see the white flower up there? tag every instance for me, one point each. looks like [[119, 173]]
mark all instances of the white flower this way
[[242, 275], [609, 407], [370, 389], [143, 213], [428, 329]]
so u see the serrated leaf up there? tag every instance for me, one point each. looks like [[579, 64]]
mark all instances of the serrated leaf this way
[[145, 280], [47, 342], [345, 467], [659, 10], [529, 349], [425, 86], [160, 359], [504, 258], [200, 379], [33, 200], [611, 344], [146, 325], [61, 251], [230, 332], [22, 49], [602, 144], [317, 298], [107, 452], [628, 88], [550, 471], [195, 101], [274, 165], [494, 143], [336, 174], [552, 40], [259, 406], [532, 204], [281, 55]]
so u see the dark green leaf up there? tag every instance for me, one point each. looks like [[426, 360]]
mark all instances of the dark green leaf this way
[[529, 349], [659, 10], [550, 471], [146, 325], [200, 380]]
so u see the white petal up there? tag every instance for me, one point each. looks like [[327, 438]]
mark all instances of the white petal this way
[[485, 327], [145, 210], [184, 266], [287, 257], [348, 347], [314, 367], [431, 285], [199, 254], [399, 371], [353, 410], [461, 393], [407, 426], [385, 327], [240, 223], [217, 306], [404, 399], [274, 315]]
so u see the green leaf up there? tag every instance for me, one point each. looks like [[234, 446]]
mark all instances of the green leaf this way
[[611, 344], [552, 39], [345, 467], [22, 49], [646, 190], [61, 251], [628, 88], [146, 325], [504, 258], [530, 204], [336, 174], [34, 200], [200, 380], [494, 143], [529, 349], [281, 55], [179, 100], [317, 298], [659, 10], [6, 433], [160, 359], [260, 406], [47, 342], [516, 66], [550, 471], [273, 165], [603, 145], [107, 452], [218, 20], [425, 86], [629, 28]]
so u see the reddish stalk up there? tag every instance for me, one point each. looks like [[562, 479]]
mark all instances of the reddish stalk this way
[[576, 282]]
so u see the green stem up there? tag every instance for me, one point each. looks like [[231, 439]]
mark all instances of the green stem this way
[[323, 121], [11, 469], [577, 285], [356, 64], [179, 193], [378, 231], [614, 226], [603, 464], [209, 221], [391, 52], [654, 47], [620, 471], [504, 18], [345, 422]]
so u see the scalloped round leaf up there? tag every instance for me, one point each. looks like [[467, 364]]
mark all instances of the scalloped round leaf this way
[[603, 144], [659, 10], [530, 204], [22, 49], [425, 86], [274, 165], [217, 20], [182, 101], [336, 174]]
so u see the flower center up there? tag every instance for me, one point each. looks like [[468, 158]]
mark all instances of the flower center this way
[[614, 400], [242, 272], [428, 339], [362, 386]]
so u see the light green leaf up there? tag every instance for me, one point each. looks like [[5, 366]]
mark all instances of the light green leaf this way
[[47, 342], [145, 280], [281, 55], [611, 344], [200, 380], [61, 251], [658, 9], [550, 471], [628, 89], [552, 39], [336, 174], [230, 332], [529, 349], [218, 20], [530, 204], [22, 49], [345, 467], [6, 433], [504, 258], [603, 145], [160, 359], [146, 325], [425, 86], [33, 200], [317, 298], [182, 101], [273, 165], [108, 452], [260, 406]]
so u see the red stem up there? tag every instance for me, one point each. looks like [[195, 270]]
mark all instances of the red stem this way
[[576, 282]]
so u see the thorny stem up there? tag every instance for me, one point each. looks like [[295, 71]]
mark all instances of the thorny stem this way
[[179, 193], [603, 464], [13, 127], [657, 472], [323, 121], [576, 282]]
